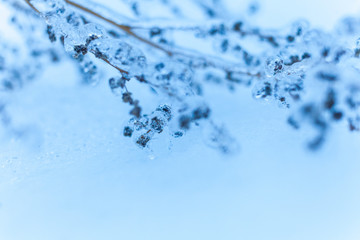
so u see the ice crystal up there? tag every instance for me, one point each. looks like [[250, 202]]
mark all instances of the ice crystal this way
[[312, 72]]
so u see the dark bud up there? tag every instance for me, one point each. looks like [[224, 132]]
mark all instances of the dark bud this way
[[351, 103], [306, 56], [165, 110], [134, 8], [90, 39], [51, 33], [357, 52], [237, 26], [143, 140], [116, 83], [159, 66], [327, 76], [53, 55], [237, 48], [80, 49], [278, 66], [213, 31], [99, 54], [128, 131], [247, 58], [126, 97], [62, 40], [224, 45], [292, 122], [210, 12], [178, 134], [201, 112], [267, 90], [254, 7], [8, 85], [163, 41], [272, 41], [308, 109], [330, 100], [2, 63], [290, 38], [157, 124], [36, 53], [339, 54], [136, 111], [294, 59], [185, 122], [140, 78], [222, 29], [155, 32], [325, 52], [112, 83], [337, 115], [299, 31], [113, 34], [316, 143], [352, 126], [320, 123], [217, 30]]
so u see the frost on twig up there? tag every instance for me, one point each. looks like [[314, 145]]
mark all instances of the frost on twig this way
[[312, 73]]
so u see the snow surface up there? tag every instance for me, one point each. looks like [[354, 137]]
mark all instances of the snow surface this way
[[75, 177]]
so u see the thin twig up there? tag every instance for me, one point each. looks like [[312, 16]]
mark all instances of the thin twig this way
[[128, 30], [125, 28], [32, 6]]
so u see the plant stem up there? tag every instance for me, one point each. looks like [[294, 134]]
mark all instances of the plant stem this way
[[32, 6], [129, 31], [125, 28]]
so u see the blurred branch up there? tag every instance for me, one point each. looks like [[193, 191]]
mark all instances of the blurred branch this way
[[32, 6], [125, 28], [128, 29]]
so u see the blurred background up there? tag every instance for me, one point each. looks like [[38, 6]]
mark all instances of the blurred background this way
[[87, 182]]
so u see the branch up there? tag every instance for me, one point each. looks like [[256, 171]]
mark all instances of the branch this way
[[128, 30], [125, 28], [32, 6]]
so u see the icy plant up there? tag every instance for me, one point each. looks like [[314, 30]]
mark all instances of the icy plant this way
[[311, 72]]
